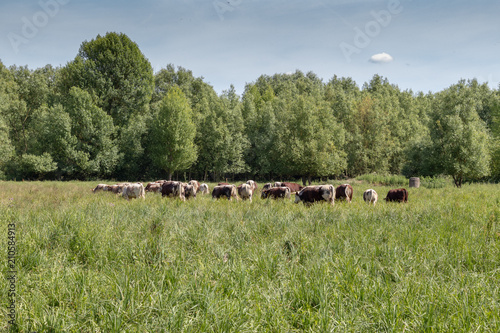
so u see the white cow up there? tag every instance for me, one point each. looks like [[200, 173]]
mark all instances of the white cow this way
[[203, 189], [134, 191], [370, 196], [245, 191]]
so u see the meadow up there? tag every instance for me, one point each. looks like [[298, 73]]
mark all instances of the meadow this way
[[97, 263]]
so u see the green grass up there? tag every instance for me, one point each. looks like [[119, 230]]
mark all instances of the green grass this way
[[97, 263]]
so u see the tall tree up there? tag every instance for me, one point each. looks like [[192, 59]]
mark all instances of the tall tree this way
[[114, 70], [172, 134], [461, 141]]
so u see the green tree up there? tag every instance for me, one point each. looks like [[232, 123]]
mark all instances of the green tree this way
[[172, 134], [94, 131], [460, 139], [114, 71]]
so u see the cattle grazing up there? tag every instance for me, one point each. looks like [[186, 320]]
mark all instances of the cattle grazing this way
[[344, 192], [228, 191], [195, 184], [203, 189], [294, 187], [245, 191], [400, 195], [116, 189], [153, 187], [253, 184], [267, 186], [276, 193], [370, 196], [100, 187], [133, 191], [189, 191], [173, 189], [310, 194]]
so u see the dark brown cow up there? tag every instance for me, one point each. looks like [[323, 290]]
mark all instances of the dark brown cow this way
[[400, 195], [276, 193], [310, 194], [173, 189], [344, 192], [228, 191]]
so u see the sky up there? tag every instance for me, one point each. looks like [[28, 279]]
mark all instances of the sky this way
[[422, 45]]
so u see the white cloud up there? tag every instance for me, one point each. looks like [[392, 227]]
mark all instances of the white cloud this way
[[381, 58]]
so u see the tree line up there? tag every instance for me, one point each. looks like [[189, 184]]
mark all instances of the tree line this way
[[106, 114]]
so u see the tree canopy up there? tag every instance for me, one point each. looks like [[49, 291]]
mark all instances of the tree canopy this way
[[105, 114]]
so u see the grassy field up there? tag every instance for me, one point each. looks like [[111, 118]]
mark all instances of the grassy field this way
[[96, 263]]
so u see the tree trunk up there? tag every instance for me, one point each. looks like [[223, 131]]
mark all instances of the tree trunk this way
[[169, 175]]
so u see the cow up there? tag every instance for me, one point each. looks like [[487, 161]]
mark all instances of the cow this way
[[173, 189], [116, 189], [161, 181], [222, 184], [276, 193], [133, 191], [294, 187], [229, 191], [195, 184], [204, 189], [400, 195], [370, 196], [100, 187], [189, 191], [344, 192], [310, 194], [245, 191], [153, 187], [267, 186], [253, 184]]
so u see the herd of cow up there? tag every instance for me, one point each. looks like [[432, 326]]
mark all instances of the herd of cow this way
[[308, 194]]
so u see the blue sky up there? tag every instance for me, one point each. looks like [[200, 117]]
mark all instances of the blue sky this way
[[426, 45]]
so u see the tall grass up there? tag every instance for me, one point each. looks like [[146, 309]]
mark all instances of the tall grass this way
[[95, 262]]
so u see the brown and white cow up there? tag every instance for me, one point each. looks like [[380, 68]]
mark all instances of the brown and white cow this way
[[310, 194], [245, 191], [400, 195], [276, 193], [189, 191], [173, 189], [195, 184], [153, 187], [204, 189], [116, 189], [294, 187], [100, 187], [253, 184], [133, 191], [344, 192], [228, 191], [370, 196], [267, 186]]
